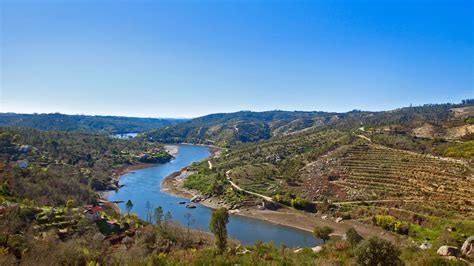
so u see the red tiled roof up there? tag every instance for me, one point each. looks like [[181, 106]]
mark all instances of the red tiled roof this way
[[95, 209]]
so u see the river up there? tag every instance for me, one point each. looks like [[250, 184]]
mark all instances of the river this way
[[143, 185]]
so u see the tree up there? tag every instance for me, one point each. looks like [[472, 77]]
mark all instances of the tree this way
[[158, 213], [376, 251], [322, 232], [353, 237], [217, 187], [129, 206], [325, 206], [189, 222], [148, 208], [168, 217], [217, 225], [70, 203], [6, 136]]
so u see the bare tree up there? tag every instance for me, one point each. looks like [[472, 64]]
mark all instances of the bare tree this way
[[189, 222]]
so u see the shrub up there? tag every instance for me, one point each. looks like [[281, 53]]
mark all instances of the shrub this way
[[353, 237], [376, 251], [390, 223], [302, 204], [296, 202], [285, 200]]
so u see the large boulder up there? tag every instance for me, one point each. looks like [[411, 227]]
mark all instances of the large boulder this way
[[448, 251], [298, 250], [468, 246], [317, 249], [196, 198]]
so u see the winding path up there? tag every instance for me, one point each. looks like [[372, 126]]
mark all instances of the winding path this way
[[227, 175], [383, 200]]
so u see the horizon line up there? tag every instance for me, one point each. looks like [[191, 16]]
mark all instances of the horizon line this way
[[178, 117]]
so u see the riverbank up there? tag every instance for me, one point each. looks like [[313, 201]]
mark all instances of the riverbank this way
[[102, 196], [174, 185], [172, 149]]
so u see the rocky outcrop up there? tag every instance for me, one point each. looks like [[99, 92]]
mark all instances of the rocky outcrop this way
[[448, 251], [196, 199], [468, 247], [99, 185], [317, 249]]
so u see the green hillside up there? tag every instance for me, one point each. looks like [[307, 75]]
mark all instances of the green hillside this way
[[85, 123]]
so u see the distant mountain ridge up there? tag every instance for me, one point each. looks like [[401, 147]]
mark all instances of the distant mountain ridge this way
[[85, 123], [226, 129]]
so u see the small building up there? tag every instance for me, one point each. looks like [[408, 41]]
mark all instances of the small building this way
[[112, 224], [93, 213]]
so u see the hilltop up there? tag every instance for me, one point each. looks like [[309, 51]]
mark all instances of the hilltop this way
[[85, 123]]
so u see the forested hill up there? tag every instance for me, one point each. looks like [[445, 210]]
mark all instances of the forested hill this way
[[231, 128], [226, 129], [85, 123], [62, 165]]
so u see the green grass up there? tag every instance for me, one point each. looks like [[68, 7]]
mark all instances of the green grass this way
[[200, 182]]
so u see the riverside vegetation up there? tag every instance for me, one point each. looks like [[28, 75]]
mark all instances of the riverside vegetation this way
[[408, 171]]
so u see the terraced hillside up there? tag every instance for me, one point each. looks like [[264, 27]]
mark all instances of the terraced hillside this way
[[374, 173]]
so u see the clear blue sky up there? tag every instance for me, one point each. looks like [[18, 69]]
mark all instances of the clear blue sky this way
[[190, 58]]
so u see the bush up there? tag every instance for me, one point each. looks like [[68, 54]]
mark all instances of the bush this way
[[390, 223], [302, 204], [376, 251], [353, 237], [282, 199]]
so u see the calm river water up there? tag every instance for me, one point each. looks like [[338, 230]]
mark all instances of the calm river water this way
[[144, 185]]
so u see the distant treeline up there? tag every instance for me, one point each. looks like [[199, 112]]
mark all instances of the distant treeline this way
[[85, 123]]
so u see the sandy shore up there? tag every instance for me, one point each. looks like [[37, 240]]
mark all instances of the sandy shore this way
[[172, 149], [173, 184]]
